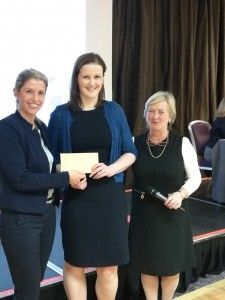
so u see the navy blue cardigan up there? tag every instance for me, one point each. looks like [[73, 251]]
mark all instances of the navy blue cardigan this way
[[59, 132], [24, 167]]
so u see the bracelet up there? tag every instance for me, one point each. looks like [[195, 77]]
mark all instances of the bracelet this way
[[182, 194]]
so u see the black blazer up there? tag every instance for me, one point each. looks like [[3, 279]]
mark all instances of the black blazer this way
[[217, 132]]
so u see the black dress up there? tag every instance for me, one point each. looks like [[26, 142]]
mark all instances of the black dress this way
[[160, 239], [94, 221]]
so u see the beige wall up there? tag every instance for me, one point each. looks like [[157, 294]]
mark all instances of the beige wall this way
[[99, 35]]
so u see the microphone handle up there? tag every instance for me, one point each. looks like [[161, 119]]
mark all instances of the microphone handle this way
[[160, 196], [163, 198]]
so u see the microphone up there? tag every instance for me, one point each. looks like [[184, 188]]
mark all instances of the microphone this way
[[151, 191]]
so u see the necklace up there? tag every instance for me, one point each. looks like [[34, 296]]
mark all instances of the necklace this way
[[162, 144]]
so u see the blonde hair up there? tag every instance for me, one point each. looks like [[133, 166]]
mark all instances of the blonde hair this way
[[220, 112], [159, 97]]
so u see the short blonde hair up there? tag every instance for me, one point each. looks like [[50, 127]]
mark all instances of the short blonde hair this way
[[159, 97]]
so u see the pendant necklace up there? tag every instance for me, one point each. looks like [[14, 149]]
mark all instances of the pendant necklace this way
[[163, 143]]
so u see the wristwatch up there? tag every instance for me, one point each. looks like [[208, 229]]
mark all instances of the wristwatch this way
[[182, 194]]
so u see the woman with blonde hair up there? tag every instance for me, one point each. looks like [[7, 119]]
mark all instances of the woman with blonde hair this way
[[160, 237]]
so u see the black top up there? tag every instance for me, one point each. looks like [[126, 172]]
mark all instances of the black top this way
[[165, 173], [94, 138]]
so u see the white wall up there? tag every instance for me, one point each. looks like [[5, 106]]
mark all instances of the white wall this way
[[99, 35], [50, 38]]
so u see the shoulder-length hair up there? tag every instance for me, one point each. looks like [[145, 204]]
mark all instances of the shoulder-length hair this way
[[87, 58]]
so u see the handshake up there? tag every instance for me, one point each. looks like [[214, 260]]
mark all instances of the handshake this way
[[78, 180]]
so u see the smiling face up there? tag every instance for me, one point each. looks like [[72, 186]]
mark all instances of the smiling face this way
[[90, 81], [30, 98], [158, 116]]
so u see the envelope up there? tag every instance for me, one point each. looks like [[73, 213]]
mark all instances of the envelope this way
[[82, 162]]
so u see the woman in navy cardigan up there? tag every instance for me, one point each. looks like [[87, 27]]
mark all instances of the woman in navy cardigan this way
[[94, 220], [27, 187]]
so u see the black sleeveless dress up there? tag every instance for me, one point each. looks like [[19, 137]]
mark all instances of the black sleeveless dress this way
[[94, 220], [160, 239]]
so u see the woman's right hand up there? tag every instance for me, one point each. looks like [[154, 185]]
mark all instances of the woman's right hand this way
[[78, 179]]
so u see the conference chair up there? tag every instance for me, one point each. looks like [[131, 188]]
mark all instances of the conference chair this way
[[199, 131]]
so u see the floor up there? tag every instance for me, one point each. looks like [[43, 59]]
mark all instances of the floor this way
[[214, 291]]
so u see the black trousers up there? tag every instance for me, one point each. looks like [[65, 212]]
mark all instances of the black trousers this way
[[27, 241]]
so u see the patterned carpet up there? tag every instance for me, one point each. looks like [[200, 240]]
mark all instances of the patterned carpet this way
[[209, 279]]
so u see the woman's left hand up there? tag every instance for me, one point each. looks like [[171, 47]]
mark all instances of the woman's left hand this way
[[174, 200], [101, 170]]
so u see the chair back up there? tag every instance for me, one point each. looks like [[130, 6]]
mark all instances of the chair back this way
[[199, 131]]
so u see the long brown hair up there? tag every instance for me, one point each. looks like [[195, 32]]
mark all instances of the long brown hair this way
[[87, 58]]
